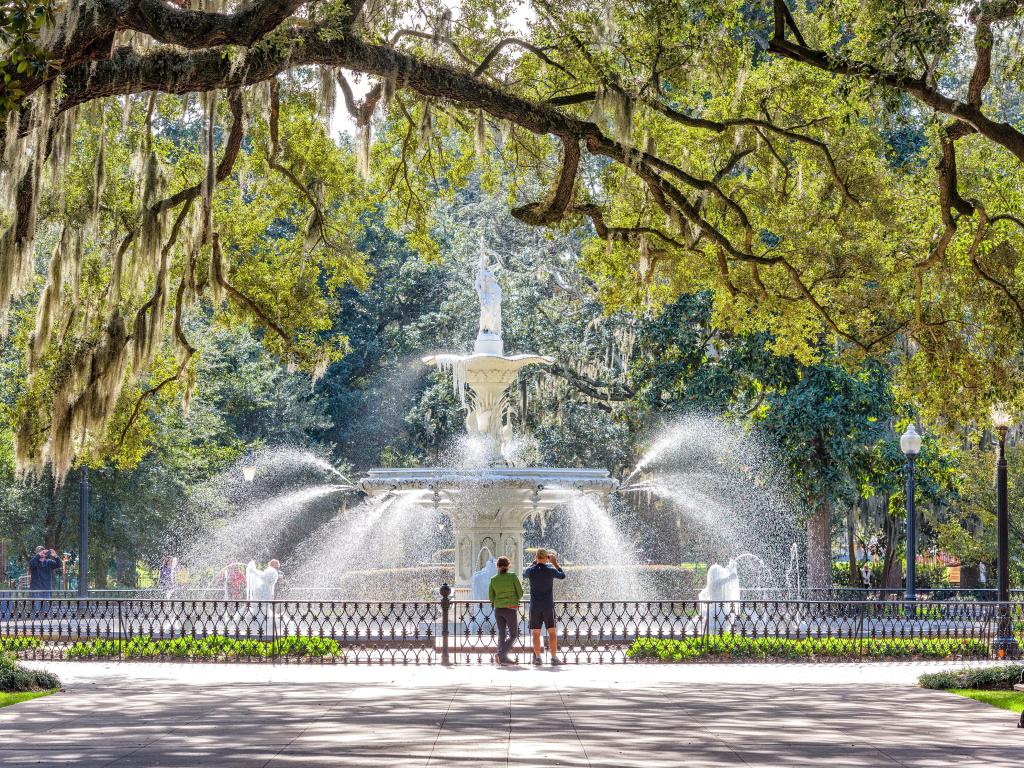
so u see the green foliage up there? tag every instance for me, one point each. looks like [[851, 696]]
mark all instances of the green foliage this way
[[1008, 700], [968, 529], [6, 699], [926, 575], [982, 678], [23, 57], [739, 647], [17, 677], [15, 644], [210, 648], [826, 423]]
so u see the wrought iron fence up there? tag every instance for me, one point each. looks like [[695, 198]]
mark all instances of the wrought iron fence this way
[[464, 632]]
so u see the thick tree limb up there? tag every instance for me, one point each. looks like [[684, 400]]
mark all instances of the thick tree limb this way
[[553, 209], [176, 71], [592, 387], [190, 28], [927, 93]]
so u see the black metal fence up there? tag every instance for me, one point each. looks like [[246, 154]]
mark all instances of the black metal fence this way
[[463, 632]]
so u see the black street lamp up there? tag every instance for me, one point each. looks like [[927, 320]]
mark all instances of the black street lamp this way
[[83, 535], [1006, 643], [910, 444]]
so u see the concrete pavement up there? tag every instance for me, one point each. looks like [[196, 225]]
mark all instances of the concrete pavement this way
[[645, 715]]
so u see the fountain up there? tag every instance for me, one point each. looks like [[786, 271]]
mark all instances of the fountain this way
[[489, 503]]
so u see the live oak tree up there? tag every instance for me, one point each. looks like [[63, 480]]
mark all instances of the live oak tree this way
[[167, 153]]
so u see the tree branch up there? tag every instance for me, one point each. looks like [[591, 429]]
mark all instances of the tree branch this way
[[970, 113]]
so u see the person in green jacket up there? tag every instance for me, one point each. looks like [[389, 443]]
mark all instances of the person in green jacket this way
[[505, 592]]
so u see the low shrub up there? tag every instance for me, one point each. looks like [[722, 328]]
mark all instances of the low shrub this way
[[739, 647], [14, 644], [15, 677], [211, 647], [982, 678]]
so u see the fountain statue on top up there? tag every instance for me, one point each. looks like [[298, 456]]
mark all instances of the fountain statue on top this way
[[488, 339], [488, 504], [482, 379]]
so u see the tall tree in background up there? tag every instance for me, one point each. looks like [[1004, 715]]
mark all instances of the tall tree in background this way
[[184, 149]]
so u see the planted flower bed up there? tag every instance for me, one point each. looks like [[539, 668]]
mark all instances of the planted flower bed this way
[[212, 647], [728, 646]]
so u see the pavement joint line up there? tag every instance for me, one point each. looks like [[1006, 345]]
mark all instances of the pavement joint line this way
[[508, 744], [660, 689], [341, 700], [573, 724], [155, 739], [889, 757], [440, 728]]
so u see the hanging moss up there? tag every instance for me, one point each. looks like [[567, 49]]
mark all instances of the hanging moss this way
[[480, 136]]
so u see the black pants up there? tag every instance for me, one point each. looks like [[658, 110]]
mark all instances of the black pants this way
[[508, 629]]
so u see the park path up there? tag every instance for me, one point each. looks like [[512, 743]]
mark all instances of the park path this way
[[194, 715]]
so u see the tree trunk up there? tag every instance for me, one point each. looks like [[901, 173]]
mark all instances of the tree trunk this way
[[819, 546], [892, 575], [851, 542]]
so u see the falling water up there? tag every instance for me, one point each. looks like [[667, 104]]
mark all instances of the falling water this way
[[255, 533], [720, 484], [377, 550], [602, 562]]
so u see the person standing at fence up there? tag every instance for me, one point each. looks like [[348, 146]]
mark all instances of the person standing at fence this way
[[542, 574], [41, 567], [505, 592]]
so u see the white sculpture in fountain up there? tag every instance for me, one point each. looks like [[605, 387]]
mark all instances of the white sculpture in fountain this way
[[259, 589], [480, 615], [489, 292], [721, 595], [488, 504], [483, 378]]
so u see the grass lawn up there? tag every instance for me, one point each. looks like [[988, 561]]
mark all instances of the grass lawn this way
[[13, 698], [1011, 700]]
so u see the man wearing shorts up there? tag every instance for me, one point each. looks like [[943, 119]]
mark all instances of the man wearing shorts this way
[[541, 575]]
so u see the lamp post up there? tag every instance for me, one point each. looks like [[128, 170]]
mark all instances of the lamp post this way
[[83, 534], [910, 444], [1006, 643], [249, 466]]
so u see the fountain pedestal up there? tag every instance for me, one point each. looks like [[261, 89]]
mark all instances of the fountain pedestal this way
[[489, 504]]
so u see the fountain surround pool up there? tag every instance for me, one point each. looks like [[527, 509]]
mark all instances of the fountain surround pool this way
[[488, 504]]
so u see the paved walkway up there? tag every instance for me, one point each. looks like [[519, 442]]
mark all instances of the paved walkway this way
[[652, 716]]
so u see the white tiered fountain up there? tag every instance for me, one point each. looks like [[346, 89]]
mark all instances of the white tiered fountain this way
[[488, 504]]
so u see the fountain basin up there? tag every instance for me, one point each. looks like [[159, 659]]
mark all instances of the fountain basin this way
[[488, 505]]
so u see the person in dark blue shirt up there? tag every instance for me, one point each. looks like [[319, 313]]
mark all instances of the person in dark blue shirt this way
[[41, 568], [542, 574]]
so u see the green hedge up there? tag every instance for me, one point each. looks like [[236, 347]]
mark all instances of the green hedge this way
[[14, 677], [738, 647], [984, 678], [14, 644], [212, 647], [926, 575]]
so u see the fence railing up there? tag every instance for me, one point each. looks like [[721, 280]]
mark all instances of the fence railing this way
[[464, 632]]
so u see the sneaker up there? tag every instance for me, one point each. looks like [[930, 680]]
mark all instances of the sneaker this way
[[506, 662], [536, 660], [555, 662]]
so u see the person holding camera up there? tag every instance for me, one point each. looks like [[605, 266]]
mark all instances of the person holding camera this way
[[41, 567], [505, 592], [542, 574]]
